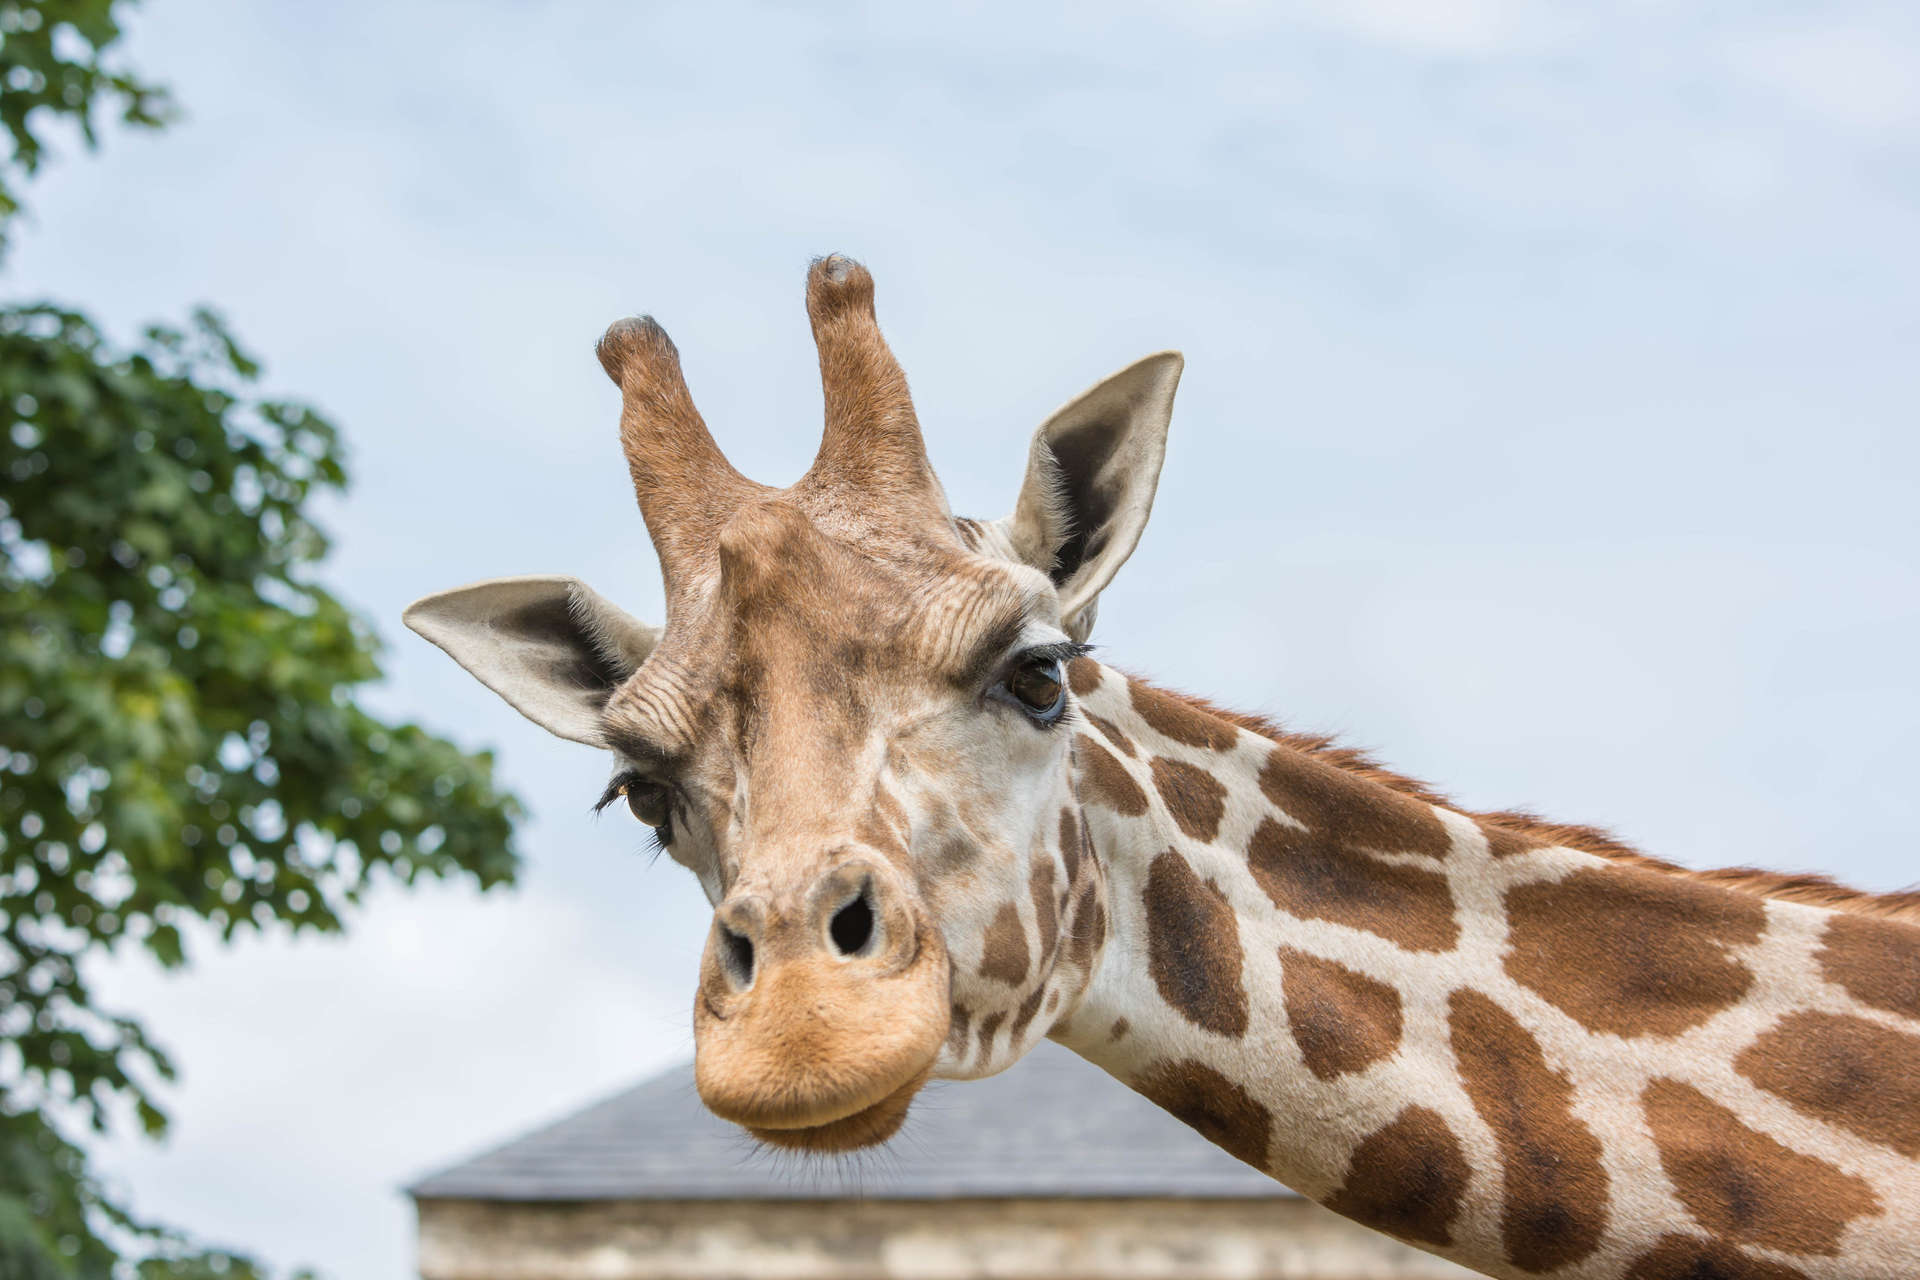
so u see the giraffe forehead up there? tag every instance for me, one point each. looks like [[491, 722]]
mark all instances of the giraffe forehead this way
[[798, 623]]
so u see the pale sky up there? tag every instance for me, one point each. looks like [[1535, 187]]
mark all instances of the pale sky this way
[[1548, 426]]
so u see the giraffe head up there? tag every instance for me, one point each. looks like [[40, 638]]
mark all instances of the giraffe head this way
[[850, 725]]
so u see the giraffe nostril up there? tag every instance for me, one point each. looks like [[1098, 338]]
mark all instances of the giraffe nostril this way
[[736, 956], [852, 926]]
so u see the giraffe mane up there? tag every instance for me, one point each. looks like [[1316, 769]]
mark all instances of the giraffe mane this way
[[1808, 888]]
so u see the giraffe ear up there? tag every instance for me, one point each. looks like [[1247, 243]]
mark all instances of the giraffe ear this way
[[1091, 473], [553, 647]]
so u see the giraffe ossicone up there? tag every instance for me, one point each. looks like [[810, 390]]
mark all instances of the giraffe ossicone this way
[[934, 831]]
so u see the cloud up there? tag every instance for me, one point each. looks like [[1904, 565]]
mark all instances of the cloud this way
[[1837, 68], [1431, 28], [1449, 27]]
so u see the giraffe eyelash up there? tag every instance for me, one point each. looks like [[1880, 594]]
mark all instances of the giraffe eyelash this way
[[1064, 652], [615, 789]]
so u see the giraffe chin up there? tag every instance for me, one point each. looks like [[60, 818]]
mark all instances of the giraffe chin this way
[[868, 1127]]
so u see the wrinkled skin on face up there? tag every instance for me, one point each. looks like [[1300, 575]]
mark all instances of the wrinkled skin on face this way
[[854, 729]]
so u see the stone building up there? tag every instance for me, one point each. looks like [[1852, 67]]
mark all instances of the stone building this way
[[1052, 1169]]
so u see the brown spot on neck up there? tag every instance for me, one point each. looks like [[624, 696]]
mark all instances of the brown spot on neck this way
[[1083, 676], [1194, 798], [1072, 843], [1847, 1071], [1086, 925], [989, 1028], [1342, 1020], [959, 1031], [1180, 720], [1629, 951], [1046, 911], [1675, 1257], [1111, 732], [1305, 876], [1741, 1184], [1406, 1179], [1004, 955], [1221, 1111], [1024, 1014], [1553, 1187], [1348, 812], [1107, 781], [1193, 947], [1877, 961]]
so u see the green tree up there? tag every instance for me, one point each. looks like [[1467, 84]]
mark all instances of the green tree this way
[[179, 736]]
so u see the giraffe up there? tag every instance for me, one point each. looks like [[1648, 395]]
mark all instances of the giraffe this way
[[935, 829]]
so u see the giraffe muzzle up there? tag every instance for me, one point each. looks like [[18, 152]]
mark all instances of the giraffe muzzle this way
[[821, 1009]]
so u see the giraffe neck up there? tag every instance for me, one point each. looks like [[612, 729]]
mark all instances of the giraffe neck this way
[[1526, 1057]]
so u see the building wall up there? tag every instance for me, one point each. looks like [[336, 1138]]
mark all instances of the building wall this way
[[908, 1240]]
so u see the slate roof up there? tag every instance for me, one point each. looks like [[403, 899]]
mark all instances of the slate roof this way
[[1052, 1126]]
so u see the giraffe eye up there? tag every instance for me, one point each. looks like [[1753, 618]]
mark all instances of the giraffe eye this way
[[1037, 686], [651, 803]]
